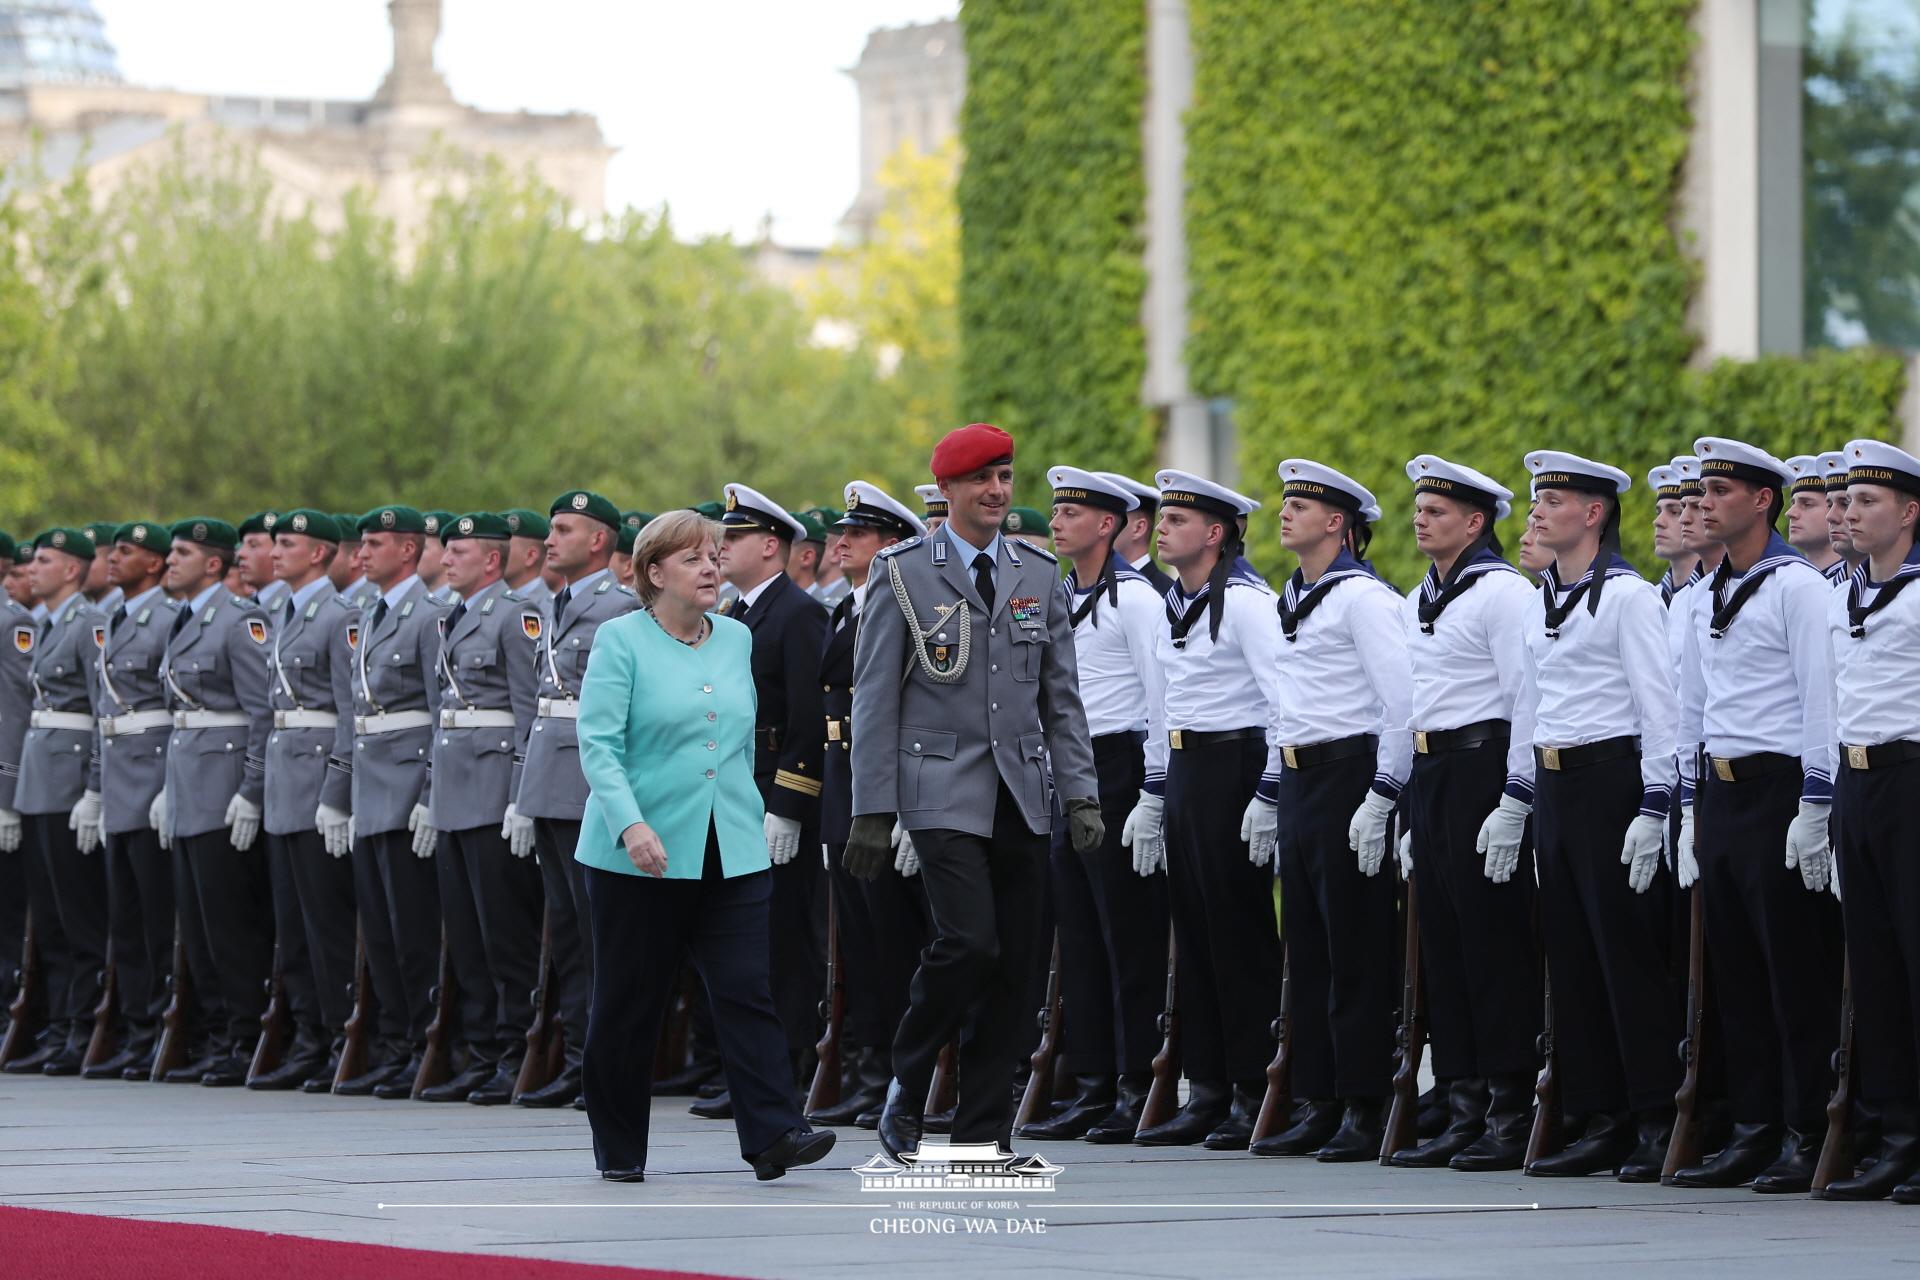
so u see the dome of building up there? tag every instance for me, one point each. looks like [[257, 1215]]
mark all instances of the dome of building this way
[[44, 42]]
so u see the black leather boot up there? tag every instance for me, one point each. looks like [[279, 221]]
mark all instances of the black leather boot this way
[[870, 1076], [718, 1107], [379, 1071], [940, 1121], [1314, 1124], [1607, 1141], [399, 1083], [114, 1068], [1435, 1113], [1093, 1100], [1208, 1102], [497, 1090], [478, 1072], [1236, 1131], [900, 1119], [321, 1081], [194, 1071], [1652, 1131], [1894, 1160], [1466, 1119], [1123, 1122], [29, 1064], [1748, 1152], [1792, 1173], [557, 1092], [1502, 1144], [1362, 1129], [303, 1057], [687, 1080]]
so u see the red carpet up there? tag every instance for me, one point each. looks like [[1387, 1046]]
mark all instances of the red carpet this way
[[38, 1245]]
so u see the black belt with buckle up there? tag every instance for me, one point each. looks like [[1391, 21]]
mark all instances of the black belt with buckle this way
[[1189, 739], [1429, 742], [1746, 768], [1318, 753], [1880, 755], [1560, 759], [840, 731]]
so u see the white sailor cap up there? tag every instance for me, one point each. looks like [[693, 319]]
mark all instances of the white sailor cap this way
[[870, 507], [1833, 466], [1303, 478], [1876, 462], [1738, 460], [932, 499], [751, 509], [1808, 475], [1665, 482], [1552, 469], [1431, 474], [1148, 496], [1687, 468], [1090, 489], [1184, 489]]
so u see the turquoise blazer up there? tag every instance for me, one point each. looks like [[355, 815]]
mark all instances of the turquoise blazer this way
[[666, 738]]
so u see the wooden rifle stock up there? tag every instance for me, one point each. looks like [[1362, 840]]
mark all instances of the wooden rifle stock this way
[[1545, 1138], [276, 1025], [825, 1089], [1403, 1114], [1037, 1102], [537, 1063], [358, 1031], [171, 1052], [1276, 1107], [670, 1056], [1683, 1150], [1163, 1096], [106, 1037], [436, 1060], [20, 1020], [943, 1091], [1836, 1152]]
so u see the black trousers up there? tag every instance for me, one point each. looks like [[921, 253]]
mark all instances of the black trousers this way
[[1222, 909], [1477, 951], [569, 921], [474, 998], [799, 941], [508, 901], [984, 898], [236, 903], [1879, 868], [323, 889], [74, 893], [902, 929], [140, 915], [1111, 923], [1616, 1015], [13, 913], [641, 929], [1776, 947], [867, 1026], [290, 939], [207, 1005], [399, 901]]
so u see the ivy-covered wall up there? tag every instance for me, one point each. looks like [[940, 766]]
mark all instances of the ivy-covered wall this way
[[1052, 203]]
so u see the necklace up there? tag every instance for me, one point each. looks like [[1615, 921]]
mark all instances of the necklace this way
[[699, 635]]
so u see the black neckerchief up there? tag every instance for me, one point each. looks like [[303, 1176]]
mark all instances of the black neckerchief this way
[[1109, 578], [1667, 587], [1183, 615], [1436, 594], [1183, 612], [1558, 610], [1726, 608], [1857, 585], [1298, 601]]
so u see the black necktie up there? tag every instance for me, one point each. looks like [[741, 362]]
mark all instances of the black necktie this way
[[560, 604], [379, 613], [459, 612], [119, 616], [842, 611], [983, 578], [180, 620], [287, 616]]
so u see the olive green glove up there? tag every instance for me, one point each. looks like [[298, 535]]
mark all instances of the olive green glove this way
[[869, 845], [1084, 827]]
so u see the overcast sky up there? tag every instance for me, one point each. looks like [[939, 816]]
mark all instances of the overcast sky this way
[[721, 109]]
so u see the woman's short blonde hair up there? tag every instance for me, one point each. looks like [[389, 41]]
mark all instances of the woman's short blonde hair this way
[[667, 535]]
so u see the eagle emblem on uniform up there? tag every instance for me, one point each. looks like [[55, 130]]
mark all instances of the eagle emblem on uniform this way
[[100, 637], [139, 533], [257, 630], [59, 539], [733, 501], [299, 524], [513, 524], [531, 624], [353, 635], [269, 520], [23, 638], [199, 532], [433, 524], [387, 519]]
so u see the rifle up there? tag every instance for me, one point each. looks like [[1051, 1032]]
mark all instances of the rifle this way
[[1403, 1115], [105, 1038], [943, 1091], [1545, 1138], [825, 1089], [1163, 1097], [1836, 1153], [359, 1027], [20, 1019], [536, 1063], [1277, 1106], [1037, 1102], [1683, 1150], [436, 1060], [171, 1052], [275, 1023], [670, 1055]]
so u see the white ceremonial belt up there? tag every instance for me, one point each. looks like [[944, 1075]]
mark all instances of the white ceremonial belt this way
[[134, 722], [210, 720], [473, 718], [61, 720], [558, 708], [392, 722], [305, 719]]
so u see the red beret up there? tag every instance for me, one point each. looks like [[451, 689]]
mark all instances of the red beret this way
[[967, 449]]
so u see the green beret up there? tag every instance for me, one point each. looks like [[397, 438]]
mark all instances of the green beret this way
[[348, 525], [628, 537], [207, 532], [475, 524], [816, 532], [437, 522], [100, 533], [522, 523], [74, 542], [149, 535], [711, 510], [393, 520], [310, 523], [827, 516], [636, 520], [260, 522], [1025, 520], [9, 550], [586, 502], [22, 552]]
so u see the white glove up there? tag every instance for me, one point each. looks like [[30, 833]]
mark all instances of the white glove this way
[[1807, 846], [157, 819], [243, 819], [1686, 868], [84, 821], [783, 838], [335, 830], [1145, 834], [517, 832], [1405, 853], [1260, 828], [1499, 838], [1367, 832], [9, 831], [906, 858], [424, 836], [1640, 852]]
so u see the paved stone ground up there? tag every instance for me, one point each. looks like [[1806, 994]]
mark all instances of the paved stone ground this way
[[513, 1182]]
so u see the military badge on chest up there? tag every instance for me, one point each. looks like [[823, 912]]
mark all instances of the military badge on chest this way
[[1026, 610]]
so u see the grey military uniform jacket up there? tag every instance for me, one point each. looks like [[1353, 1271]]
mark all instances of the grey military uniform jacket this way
[[551, 783], [309, 677], [16, 693], [486, 667], [56, 765], [955, 700], [379, 777], [217, 663], [133, 761]]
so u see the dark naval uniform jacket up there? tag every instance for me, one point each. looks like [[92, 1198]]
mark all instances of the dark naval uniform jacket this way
[[789, 628]]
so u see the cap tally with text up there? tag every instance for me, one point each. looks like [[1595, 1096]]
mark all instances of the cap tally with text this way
[[394, 519], [1686, 471], [1304, 478], [523, 523], [1184, 489], [1807, 475], [585, 502], [871, 507], [207, 532], [965, 450], [73, 542], [475, 524], [1738, 460], [1833, 466], [749, 509], [1148, 495], [1665, 483], [309, 523], [1876, 462], [148, 535], [933, 503], [1552, 469], [1091, 489], [1435, 475]]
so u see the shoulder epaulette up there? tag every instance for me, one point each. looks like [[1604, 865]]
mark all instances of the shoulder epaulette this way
[[619, 587], [905, 545], [1041, 551], [512, 595]]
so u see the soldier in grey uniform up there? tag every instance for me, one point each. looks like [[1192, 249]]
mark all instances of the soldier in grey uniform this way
[[17, 631], [348, 572], [254, 558], [100, 589], [432, 565], [215, 670], [134, 724], [378, 773], [527, 558], [584, 533], [965, 685]]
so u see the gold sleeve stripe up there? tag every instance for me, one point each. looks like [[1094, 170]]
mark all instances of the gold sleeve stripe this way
[[795, 782]]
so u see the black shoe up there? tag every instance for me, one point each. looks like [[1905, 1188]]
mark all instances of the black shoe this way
[[140, 1068], [1314, 1124], [557, 1092], [1093, 1101], [456, 1088], [685, 1081], [1466, 1121], [798, 1147], [1362, 1131], [624, 1175], [64, 1063], [870, 1076], [400, 1083], [1653, 1131], [194, 1071], [1236, 1131], [901, 1120], [114, 1068], [1502, 1146], [292, 1073], [376, 1074], [869, 1119], [321, 1081], [719, 1107], [1747, 1154], [940, 1121], [30, 1064], [1123, 1122], [712, 1088], [580, 1103], [227, 1073], [1208, 1102], [498, 1091], [1436, 1111], [1792, 1173], [1894, 1160], [1606, 1142]]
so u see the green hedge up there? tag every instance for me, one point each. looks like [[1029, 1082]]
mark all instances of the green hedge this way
[[1051, 203], [1790, 405]]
